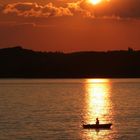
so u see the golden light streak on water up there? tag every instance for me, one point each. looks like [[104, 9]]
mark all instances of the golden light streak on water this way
[[97, 104], [97, 99]]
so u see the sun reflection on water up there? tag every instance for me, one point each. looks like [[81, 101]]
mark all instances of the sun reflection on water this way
[[97, 104], [97, 99]]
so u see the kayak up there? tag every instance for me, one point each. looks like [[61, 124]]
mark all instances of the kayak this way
[[95, 126]]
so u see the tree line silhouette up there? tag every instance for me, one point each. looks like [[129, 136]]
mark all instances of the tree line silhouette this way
[[18, 62]]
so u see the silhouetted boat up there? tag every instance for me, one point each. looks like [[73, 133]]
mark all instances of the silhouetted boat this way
[[95, 126]]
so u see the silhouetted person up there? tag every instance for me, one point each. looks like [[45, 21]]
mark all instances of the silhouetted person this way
[[97, 121]]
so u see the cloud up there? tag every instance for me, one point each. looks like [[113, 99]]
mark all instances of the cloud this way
[[35, 10], [120, 8], [80, 8], [113, 9], [107, 9]]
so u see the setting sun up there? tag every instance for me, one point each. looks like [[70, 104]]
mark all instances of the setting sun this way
[[95, 1]]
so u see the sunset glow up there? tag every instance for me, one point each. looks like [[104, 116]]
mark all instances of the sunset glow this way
[[95, 1], [70, 26]]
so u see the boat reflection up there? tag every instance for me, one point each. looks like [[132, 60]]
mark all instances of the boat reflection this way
[[97, 100]]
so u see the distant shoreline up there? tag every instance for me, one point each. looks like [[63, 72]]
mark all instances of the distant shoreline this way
[[18, 63], [68, 78]]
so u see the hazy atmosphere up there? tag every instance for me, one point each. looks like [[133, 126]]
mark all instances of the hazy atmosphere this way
[[75, 25]]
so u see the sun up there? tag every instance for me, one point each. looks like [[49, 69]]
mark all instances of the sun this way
[[95, 2]]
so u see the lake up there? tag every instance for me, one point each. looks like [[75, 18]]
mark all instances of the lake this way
[[55, 109]]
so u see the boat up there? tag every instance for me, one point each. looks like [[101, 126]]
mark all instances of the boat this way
[[97, 126]]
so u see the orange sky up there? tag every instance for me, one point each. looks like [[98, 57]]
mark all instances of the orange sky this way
[[70, 25]]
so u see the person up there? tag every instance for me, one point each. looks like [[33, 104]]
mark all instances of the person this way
[[97, 121]]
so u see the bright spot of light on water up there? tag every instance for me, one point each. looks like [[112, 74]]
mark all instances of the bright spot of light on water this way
[[97, 81]]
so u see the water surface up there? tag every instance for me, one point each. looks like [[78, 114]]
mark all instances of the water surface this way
[[55, 109]]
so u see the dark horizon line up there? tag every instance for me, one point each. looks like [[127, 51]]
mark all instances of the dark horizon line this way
[[19, 47], [17, 62]]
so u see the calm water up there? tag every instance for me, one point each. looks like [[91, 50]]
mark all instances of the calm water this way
[[56, 109]]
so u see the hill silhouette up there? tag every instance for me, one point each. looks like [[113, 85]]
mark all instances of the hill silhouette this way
[[18, 62]]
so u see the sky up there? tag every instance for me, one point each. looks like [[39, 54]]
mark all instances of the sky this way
[[70, 25]]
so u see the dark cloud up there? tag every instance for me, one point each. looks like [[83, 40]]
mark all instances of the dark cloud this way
[[120, 8]]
